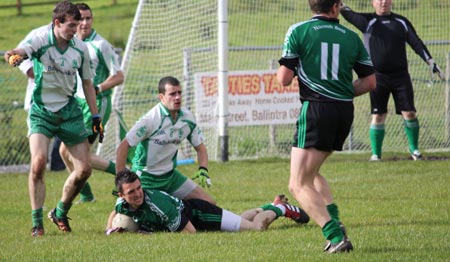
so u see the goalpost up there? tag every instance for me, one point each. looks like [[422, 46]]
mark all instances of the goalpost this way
[[185, 38]]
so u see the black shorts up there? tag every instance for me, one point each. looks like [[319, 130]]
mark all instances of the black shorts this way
[[323, 125], [400, 86], [202, 214]]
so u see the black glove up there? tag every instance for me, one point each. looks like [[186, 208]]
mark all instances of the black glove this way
[[97, 129], [435, 69]]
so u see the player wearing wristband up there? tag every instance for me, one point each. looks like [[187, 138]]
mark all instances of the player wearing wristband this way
[[155, 210], [385, 36], [107, 75], [58, 56], [156, 136]]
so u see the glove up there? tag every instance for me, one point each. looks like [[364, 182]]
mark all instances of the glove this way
[[97, 129], [435, 69], [109, 231], [203, 177]]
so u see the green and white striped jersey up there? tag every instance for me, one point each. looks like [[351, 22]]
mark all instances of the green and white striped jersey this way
[[56, 70], [326, 52], [104, 61], [157, 137]]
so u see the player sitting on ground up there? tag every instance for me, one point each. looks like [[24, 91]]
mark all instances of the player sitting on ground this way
[[155, 210]]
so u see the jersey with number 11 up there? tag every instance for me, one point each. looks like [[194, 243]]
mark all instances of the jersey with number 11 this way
[[327, 52]]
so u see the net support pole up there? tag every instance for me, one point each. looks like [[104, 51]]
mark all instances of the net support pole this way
[[222, 77]]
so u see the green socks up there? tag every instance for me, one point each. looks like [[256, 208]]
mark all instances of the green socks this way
[[86, 194], [412, 133], [111, 168], [37, 217], [376, 134], [62, 209], [333, 232], [333, 211]]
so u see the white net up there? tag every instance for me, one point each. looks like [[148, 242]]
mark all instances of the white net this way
[[179, 38]]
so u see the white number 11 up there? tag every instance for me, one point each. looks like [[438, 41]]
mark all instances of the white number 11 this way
[[334, 62]]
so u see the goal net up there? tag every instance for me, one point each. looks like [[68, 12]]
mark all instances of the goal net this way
[[179, 38]]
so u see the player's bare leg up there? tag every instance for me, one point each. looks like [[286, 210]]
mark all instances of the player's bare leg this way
[[65, 156], [39, 151], [305, 165], [80, 158], [199, 193], [251, 213], [323, 188], [261, 220], [36, 185], [97, 162]]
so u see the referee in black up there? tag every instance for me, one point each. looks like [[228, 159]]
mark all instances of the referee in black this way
[[385, 37]]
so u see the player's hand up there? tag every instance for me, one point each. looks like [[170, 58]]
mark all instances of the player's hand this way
[[203, 177], [97, 127], [13, 59], [98, 89], [111, 230], [435, 69]]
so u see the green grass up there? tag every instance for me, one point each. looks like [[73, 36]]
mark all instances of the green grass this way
[[396, 210]]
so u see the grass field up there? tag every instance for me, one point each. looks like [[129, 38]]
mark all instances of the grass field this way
[[396, 210]]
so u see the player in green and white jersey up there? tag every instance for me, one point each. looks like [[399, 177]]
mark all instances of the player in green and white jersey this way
[[107, 75], [157, 136], [57, 58], [155, 210], [323, 53]]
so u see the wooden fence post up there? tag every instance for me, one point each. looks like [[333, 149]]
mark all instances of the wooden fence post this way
[[19, 7]]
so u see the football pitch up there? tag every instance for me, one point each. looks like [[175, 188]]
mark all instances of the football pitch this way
[[395, 210]]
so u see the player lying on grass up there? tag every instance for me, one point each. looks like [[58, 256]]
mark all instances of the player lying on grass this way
[[155, 210]]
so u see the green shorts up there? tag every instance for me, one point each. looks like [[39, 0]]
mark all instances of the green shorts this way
[[67, 124], [104, 106], [173, 183]]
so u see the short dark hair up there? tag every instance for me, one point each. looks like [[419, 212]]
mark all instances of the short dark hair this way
[[125, 176], [64, 9], [167, 80], [322, 6], [84, 7]]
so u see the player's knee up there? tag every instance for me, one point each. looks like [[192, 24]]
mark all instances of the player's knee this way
[[84, 171], [38, 164]]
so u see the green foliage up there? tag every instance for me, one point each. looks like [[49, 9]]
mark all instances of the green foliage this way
[[396, 210], [112, 21]]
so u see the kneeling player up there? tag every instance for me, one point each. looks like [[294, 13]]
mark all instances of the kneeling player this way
[[155, 210]]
